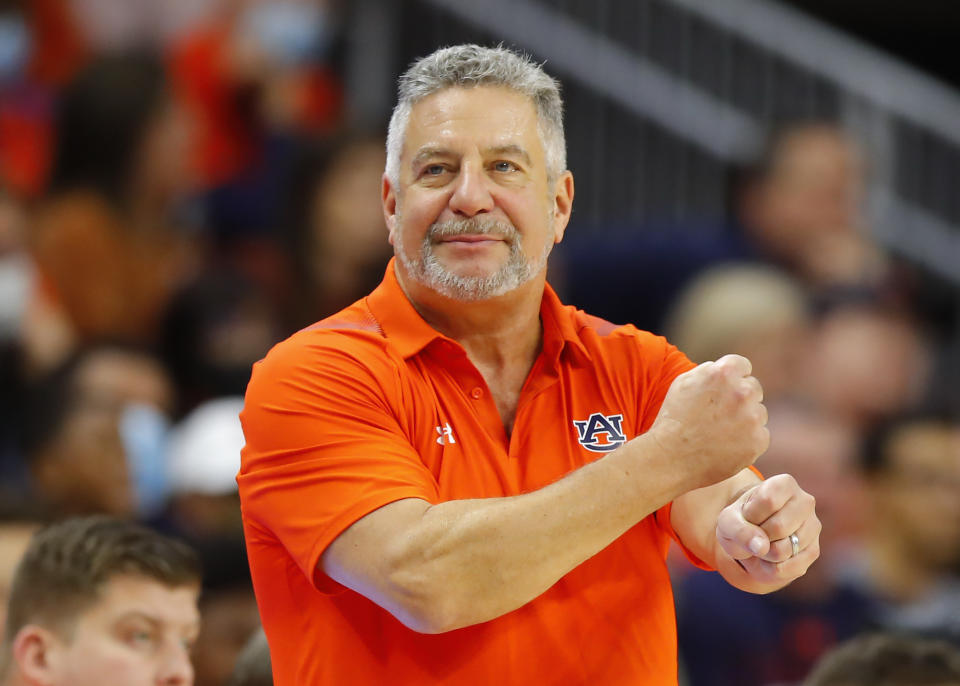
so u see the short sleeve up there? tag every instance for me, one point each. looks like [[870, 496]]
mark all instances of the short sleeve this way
[[324, 444]]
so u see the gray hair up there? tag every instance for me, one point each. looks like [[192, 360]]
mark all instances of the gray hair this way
[[466, 66]]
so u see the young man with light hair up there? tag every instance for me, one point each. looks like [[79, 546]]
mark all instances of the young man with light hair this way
[[100, 601], [460, 480]]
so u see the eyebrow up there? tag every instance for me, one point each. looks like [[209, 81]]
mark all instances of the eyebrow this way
[[427, 153], [512, 149], [149, 618], [431, 152]]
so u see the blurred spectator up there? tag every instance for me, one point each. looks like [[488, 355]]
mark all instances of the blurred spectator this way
[[748, 309], [866, 362], [105, 240], [25, 100], [796, 205], [96, 431], [16, 284], [204, 459], [912, 468], [253, 667], [731, 638], [229, 616], [228, 609], [214, 330], [336, 237], [889, 660], [116, 25], [98, 601], [258, 68], [800, 203]]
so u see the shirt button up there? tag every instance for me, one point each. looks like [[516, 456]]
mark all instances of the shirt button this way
[[476, 393]]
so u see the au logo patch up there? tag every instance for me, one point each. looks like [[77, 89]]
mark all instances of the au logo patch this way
[[600, 433]]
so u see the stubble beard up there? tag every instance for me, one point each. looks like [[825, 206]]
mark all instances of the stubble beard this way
[[430, 272]]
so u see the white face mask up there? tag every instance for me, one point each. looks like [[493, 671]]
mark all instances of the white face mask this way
[[144, 430], [15, 46], [289, 31], [16, 285]]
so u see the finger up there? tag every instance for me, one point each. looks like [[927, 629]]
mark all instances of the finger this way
[[736, 363], [768, 572], [751, 388], [739, 538], [790, 517], [781, 549], [769, 498]]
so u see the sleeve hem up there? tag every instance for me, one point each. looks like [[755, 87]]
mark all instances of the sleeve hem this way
[[343, 521]]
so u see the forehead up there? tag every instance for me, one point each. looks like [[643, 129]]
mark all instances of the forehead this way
[[129, 595], [483, 116], [932, 446]]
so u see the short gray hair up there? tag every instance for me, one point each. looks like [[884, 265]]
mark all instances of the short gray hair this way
[[466, 66]]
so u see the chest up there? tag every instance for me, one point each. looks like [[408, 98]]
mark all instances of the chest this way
[[564, 417]]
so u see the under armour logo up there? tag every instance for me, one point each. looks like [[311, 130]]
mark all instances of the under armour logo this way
[[600, 433], [445, 436]]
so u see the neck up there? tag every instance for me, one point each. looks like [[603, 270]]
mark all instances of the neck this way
[[497, 332]]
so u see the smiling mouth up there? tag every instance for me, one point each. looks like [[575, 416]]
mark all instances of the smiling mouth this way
[[471, 238]]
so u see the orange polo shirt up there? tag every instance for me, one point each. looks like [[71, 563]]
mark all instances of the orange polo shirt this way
[[373, 405]]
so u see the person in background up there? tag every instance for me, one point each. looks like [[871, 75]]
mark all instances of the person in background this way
[[100, 601], [800, 204], [95, 434], [866, 361], [911, 466], [253, 667], [749, 309], [889, 660], [334, 234], [107, 239]]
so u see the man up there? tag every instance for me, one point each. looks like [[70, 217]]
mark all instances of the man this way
[[911, 466], [889, 660], [458, 479], [101, 601]]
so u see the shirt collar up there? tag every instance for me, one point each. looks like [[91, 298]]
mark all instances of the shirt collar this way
[[410, 333]]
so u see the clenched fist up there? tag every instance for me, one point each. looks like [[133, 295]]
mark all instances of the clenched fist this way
[[713, 421]]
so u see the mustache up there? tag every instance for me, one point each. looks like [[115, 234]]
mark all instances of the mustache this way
[[476, 226]]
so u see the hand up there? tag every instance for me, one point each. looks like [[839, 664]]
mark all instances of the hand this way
[[712, 420], [756, 529]]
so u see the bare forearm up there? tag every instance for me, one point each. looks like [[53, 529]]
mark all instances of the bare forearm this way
[[467, 561], [694, 516]]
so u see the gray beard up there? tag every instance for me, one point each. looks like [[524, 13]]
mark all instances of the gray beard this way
[[428, 270]]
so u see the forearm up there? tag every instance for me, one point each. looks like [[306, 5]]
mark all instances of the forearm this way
[[694, 517], [467, 561]]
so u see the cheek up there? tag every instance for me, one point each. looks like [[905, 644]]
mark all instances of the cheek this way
[[86, 666]]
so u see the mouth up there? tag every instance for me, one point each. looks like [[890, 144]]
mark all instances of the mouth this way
[[471, 238]]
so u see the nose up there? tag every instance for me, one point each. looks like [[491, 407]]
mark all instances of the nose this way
[[176, 668], [471, 192]]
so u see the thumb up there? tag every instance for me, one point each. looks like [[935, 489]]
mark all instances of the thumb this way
[[739, 538]]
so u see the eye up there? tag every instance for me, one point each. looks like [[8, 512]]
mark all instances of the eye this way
[[504, 166], [433, 170], [141, 638]]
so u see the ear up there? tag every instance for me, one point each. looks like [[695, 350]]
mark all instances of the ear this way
[[388, 198], [562, 205], [35, 655]]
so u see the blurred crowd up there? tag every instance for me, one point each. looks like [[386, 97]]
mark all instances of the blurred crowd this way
[[180, 188]]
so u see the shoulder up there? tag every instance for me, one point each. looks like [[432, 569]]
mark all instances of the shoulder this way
[[619, 340], [349, 342]]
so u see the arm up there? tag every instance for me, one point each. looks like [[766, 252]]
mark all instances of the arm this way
[[741, 527], [446, 566]]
